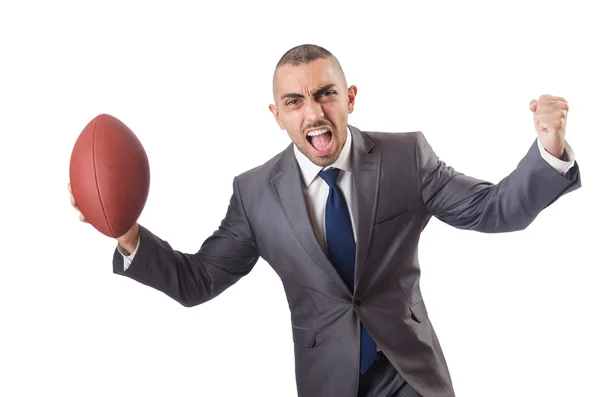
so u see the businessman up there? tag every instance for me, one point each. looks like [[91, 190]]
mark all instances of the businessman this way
[[338, 215]]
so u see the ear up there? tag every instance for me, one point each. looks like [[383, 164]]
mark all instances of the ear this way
[[273, 109], [351, 98]]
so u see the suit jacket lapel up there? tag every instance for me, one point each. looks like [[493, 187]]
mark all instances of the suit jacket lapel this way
[[288, 187], [366, 170]]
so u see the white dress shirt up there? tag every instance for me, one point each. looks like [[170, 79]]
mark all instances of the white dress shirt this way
[[316, 189]]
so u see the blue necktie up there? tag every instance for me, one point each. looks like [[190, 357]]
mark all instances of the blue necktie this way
[[342, 252]]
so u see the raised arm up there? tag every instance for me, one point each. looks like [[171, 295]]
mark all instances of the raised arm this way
[[511, 204]]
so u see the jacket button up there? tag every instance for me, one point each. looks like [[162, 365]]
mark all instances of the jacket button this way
[[357, 302]]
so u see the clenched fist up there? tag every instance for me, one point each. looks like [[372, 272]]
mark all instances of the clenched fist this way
[[550, 119]]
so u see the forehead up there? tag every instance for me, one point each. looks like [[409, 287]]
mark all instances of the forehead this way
[[307, 76]]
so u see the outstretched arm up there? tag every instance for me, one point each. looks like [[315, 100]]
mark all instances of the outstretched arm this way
[[191, 279]]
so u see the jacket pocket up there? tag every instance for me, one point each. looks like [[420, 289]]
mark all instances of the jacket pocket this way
[[303, 336], [404, 213], [388, 238], [419, 311]]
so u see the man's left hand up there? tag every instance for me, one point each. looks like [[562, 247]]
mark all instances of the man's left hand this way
[[550, 120]]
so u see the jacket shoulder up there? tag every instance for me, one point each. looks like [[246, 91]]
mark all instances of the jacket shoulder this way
[[391, 140]]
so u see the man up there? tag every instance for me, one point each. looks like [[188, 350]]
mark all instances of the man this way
[[338, 215]]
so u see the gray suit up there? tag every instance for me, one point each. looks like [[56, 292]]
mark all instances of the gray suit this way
[[399, 183]]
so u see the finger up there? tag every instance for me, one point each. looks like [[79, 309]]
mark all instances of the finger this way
[[560, 108], [547, 99], [551, 113], [82, 218], [557, 102], [73, 201], [69, 186], [533, 105]]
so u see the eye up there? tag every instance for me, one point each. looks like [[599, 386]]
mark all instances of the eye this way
[[326, 94], [292, 102]]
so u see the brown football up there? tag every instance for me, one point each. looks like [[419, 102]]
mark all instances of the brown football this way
[[109, 175]]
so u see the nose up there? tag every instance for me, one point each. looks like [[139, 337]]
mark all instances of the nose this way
[[314, 111]]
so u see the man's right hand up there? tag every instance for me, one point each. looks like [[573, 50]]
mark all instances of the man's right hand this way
[[127, 242]]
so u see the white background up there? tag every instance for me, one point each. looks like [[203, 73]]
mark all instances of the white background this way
[[516, 313]]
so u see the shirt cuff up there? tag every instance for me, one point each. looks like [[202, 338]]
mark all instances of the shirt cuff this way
[[561, 165], [127, 259]]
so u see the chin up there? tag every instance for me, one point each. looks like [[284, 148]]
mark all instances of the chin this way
[[324, 161]]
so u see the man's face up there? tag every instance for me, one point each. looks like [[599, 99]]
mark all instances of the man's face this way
[[312, 103]]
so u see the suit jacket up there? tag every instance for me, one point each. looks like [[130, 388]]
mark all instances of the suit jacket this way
[[399, 184]]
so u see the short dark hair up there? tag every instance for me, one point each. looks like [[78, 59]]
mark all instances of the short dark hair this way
[[306, 53]]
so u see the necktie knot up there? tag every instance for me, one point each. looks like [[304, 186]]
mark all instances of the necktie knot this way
[[330, 176]]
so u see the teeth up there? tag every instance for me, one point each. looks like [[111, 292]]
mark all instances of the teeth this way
[[317, 132]]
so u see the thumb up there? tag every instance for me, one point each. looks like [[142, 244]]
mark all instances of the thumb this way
[[533, 105]]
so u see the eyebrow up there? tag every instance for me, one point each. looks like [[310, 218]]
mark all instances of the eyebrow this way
[[319, 92]]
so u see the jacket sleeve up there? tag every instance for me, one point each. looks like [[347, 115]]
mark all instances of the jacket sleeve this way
[[474, 204], [191, 279]]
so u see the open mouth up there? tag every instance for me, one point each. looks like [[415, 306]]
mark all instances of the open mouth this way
[[320, 139]]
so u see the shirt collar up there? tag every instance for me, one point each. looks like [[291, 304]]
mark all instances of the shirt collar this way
[[310, 170]]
